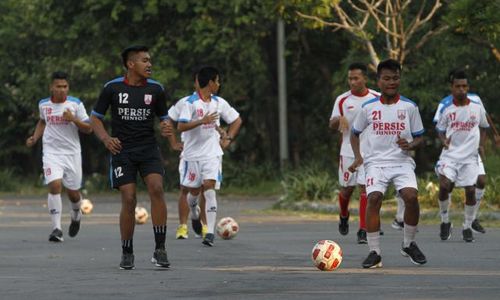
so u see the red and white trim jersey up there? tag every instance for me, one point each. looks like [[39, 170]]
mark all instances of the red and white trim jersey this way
[[61, 136], [383, 124], [348, 105], [461, 124]]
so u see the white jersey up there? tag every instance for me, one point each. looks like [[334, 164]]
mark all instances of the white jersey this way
[[61, 136], [348, 105], [448, 99], [383, 124], [202, 142], [461, 124]]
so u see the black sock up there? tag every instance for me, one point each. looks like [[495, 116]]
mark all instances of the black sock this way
[[160, 233], [127, 246]]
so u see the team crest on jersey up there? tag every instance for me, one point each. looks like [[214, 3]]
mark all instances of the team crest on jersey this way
[[199, 112], [401, 114], [473, 117], [148, 99]]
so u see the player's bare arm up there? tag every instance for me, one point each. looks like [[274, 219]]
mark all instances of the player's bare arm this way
[[39, 129], [339, 123], [232, 131], [405, 145], [207, 119], [358, 159], [82, 126], [482, 142], [445, 141], [112, 144], [168, 131]]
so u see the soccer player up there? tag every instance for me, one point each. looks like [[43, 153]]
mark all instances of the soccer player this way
[[198, 218], [346, 108], [199, 121], [459, 130], [134, 101], [61, 117], [481, 178], [393, 127]]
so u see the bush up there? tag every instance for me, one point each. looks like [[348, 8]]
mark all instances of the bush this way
[[309, 183]]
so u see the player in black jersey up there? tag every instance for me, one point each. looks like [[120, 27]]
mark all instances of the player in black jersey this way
[[134, 101]]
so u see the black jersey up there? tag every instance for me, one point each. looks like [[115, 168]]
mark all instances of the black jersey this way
[[132, 110]]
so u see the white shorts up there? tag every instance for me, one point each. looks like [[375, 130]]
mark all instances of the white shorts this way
[[481, 170], [461, 174], [346, 178], [379, 178], [65, 167], [192, 173]]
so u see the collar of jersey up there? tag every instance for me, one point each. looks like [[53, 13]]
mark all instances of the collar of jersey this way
[[455, 102], [125, 80], [383, 101], [360, 94], [66, 98]]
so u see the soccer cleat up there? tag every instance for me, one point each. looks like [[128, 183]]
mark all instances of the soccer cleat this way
[[160, 259], [204, 230], [416, 256], [467, 235], [74, 227], [127, 262], [343, 225], [397, 225], [476, 227], [56, 236], [372, 261], [445, 231], [362, 237], [182, 232], [208, 240], [197, 227]]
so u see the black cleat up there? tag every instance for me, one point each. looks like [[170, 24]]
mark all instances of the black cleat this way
[[196, 224], [477, 228], [467, 235], [127, 262], [343, 225], [74, 227], [445, 231], [416, 256], [397, 225], [56, 236], [362, 237], [208, 240], [160, 259], [372, 261]]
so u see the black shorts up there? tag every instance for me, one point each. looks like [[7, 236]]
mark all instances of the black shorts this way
[[124, 165]]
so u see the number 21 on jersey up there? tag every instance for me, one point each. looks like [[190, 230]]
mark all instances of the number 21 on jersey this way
[[376, 115]]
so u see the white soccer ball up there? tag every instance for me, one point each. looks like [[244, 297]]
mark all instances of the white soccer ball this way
[[227, 228], [141, 215], [86, 206], [326, 255]]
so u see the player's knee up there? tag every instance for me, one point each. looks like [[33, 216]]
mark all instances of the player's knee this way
[[156, 188], [481, 181], [375, 200], [346, 192]]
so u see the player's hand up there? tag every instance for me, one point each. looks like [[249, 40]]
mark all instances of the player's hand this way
[[343, 124], [403, 144], [497, 141], [358, 161], [68, 115], [30, 141], [222, 132], [446, 143], [210, 118], [178, 146], [166, 129], [113, 145], [224, 143]]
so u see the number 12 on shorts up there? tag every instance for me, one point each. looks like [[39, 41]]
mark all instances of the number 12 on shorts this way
[[118, 172]]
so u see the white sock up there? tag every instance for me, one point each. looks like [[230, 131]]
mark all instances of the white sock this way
[[479, 197], [401, 208], [444, 209], [193, 206], [469, 216], [374, 241], [409, 233], [76, 213], [55, 206], [211, 209]]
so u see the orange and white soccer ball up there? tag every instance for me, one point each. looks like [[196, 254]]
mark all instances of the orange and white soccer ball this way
[[86, 206], [141, 215], [326, 255], [227, 228]]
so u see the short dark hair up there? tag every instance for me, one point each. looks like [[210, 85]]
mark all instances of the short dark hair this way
[[389, 64], [59, 75], [358, 66], [205, 74], [456, 74], [129, 51]]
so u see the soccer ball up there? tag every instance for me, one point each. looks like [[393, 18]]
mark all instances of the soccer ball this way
[[326, 255], [227, 228], [141, 215], [86, 206]]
